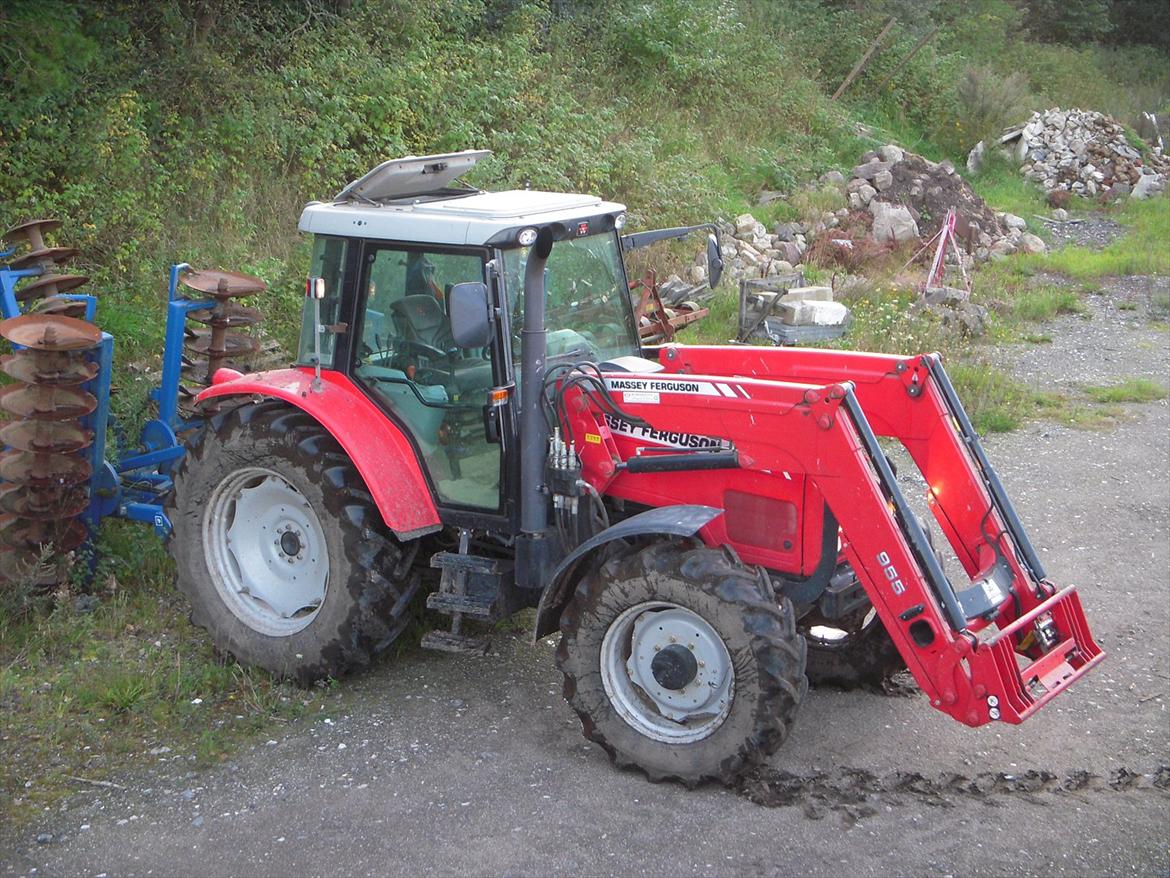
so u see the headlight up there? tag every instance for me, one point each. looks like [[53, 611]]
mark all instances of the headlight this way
[[527, 237]]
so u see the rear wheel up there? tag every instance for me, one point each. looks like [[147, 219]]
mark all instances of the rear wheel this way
[[681, 663], [280, 549]]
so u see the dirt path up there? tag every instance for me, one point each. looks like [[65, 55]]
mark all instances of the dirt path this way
[[463, 766]]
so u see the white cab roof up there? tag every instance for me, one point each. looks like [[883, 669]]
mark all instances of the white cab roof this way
[[409, 200]]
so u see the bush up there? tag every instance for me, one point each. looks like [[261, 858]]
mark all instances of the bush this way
[[988, 103]]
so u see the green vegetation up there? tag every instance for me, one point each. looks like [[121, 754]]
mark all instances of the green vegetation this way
[[193, 130], [1142, 250], [1129, 390], [89, 688]]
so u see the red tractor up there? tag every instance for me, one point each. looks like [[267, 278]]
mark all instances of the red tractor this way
[[709, 528]]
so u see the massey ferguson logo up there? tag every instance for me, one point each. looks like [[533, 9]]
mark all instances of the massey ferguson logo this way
[[664, 437]]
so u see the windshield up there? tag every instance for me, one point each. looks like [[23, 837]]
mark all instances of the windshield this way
[[587, 298]]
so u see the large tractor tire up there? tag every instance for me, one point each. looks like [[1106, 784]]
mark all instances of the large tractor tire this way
[[857, 651], [280, 549], [681, 663], [850, 653]]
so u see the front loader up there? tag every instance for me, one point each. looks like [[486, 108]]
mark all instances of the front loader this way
[[472, 416]]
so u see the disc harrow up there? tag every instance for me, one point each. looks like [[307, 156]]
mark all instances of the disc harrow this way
[[220, 344], [44, 473]]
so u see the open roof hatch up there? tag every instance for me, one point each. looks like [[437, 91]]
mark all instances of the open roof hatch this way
[[413, 177]]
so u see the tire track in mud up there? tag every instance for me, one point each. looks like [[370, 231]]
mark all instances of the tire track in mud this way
[[855, 793]]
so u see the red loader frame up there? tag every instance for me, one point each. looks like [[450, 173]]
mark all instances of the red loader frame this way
[[801, 431]]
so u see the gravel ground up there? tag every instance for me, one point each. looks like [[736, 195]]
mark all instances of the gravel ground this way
[[1090, 230], [454, 765]]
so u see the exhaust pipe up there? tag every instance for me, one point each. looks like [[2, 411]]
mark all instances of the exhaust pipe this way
[[533, 553]]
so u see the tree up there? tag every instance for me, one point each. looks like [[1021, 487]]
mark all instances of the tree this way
[[1069, 21]]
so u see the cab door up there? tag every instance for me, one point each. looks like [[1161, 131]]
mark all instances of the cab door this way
[[405, 356]]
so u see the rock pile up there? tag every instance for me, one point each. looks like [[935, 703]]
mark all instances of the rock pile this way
[[909, 197], [1086, 153]]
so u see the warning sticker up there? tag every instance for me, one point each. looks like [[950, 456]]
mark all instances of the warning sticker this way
[[640, 396], [593, 438]]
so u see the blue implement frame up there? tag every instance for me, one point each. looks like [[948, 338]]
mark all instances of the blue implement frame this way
[[135, 482]]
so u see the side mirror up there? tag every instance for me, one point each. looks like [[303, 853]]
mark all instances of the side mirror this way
[[467, 306], [714, 261]]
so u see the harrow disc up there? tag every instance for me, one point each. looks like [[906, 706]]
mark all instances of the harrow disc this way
[[48, 368], [46, 403], [50, 332], [51, 285], [46, 437], [43, 504], [49, 257], [27, 564], [228, 314], [63, 536], [32, 231], [43, 470], [231, 344], [224, 284], [60, 306]]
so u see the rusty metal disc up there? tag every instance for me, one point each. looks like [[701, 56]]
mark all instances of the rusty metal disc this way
[[43, 504], [60, 306], [46, 403], [223, 284], [229, 314], [51, 285], [51, 256], [50, 332], [234, 344], [42, 470], [18, 533], [21, 565], [46, 437], [33, 231], [49, 368]]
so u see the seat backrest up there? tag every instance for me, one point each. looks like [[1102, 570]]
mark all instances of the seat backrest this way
[[421, 318]]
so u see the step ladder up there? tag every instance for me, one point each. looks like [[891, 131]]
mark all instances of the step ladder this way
[[470, 588]]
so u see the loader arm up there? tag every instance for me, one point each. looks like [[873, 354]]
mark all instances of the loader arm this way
[[995, 646]]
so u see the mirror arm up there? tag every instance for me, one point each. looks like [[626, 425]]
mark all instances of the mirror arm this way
[[642, 239]]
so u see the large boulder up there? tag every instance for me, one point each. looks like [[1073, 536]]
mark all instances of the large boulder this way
[[892, 222]]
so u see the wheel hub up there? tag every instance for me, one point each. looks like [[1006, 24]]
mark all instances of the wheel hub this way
[[266, 551], [674, 667], [667, 672]]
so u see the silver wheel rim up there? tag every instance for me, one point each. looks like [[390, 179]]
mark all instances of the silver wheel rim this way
[[266, 552], [673, 716]]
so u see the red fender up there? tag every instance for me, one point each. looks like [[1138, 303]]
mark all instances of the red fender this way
[[382, 454]]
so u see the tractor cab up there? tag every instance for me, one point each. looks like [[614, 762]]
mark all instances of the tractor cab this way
[[391, 250]]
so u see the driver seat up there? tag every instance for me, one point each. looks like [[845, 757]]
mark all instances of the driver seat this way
[[421, 318]]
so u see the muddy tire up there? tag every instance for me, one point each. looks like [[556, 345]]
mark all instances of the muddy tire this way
[[280, 548], [855, 652], [851, 653], [710, 703]]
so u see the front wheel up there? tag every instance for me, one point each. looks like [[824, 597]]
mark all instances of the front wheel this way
[[681, 663], [280, 549]]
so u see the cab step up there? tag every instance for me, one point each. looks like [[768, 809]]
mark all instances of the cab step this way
[[482, 607], [448, 641]]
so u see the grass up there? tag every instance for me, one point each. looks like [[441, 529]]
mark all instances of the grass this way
[[1143, 249], [91, 694], [1129, 390]]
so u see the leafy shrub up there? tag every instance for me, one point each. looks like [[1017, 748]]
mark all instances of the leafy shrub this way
[[988, 103]]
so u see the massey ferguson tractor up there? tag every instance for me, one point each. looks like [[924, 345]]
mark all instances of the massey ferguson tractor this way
[[473, 422]]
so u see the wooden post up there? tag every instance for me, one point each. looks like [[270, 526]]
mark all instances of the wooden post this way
[[922, 41], [860, 65]]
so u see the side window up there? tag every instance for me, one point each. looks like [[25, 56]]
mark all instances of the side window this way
[[328, 262], [408, 357]]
